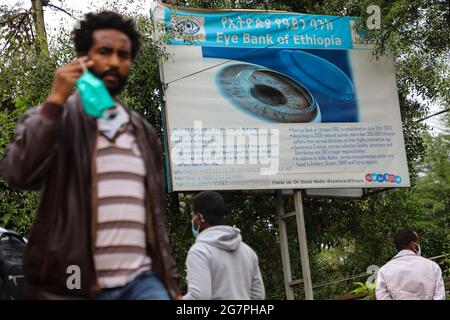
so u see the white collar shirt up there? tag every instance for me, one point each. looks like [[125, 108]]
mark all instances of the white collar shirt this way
[[409, 276]]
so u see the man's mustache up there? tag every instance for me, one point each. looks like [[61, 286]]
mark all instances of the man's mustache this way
[[111, 72]]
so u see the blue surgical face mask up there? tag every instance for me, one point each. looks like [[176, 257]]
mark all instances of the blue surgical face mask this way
[[195, 231], [94, 94]]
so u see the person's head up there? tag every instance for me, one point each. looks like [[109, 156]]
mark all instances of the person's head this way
[[208, 209], [112, 42], [406, 239]]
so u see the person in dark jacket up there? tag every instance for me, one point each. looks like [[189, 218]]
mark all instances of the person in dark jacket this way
[[100, 229]]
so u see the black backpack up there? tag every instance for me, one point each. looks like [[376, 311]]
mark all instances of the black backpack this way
[[12, 279]]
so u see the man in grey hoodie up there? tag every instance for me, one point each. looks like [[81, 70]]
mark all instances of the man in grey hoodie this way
[[219, 264]]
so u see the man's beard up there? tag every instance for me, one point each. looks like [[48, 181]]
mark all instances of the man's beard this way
[[113, 89]]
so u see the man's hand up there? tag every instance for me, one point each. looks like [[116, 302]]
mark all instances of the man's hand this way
[[65, 78]]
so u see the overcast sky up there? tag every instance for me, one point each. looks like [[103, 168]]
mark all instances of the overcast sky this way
[[55, 19]]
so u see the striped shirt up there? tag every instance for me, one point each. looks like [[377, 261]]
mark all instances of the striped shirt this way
[[120, 253]]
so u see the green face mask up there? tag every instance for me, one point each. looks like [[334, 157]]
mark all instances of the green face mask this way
[[94, 95]]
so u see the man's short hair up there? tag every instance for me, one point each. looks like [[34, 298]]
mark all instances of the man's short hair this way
[[211, 206], [403, 238], [82, 35]]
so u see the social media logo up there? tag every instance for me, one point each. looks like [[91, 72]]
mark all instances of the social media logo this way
[[383, 178]]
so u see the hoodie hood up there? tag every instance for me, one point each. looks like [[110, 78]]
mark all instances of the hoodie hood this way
[[223, 237]]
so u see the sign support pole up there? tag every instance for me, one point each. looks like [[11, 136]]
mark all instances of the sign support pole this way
[[284, 247], [301, 233], [304, 256]]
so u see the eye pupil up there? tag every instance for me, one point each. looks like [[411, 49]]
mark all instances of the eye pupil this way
[[268, 95]]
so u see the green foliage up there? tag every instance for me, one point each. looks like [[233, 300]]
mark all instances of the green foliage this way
[[368, 288], [17, 210], [254, 216], [16, 30], [26, 78], [434, 183], [181, 239], [433, 194]]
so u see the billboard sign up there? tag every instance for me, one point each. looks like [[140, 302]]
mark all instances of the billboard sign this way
[[277, 100]]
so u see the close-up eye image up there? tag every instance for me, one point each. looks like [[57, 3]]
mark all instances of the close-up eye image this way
[[288, 85], [267, 94]]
